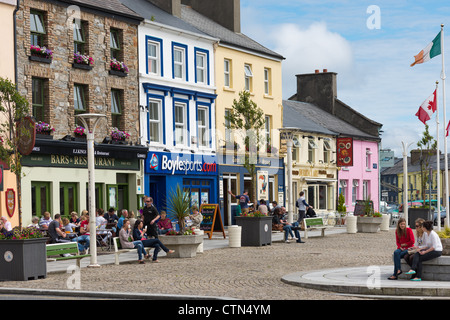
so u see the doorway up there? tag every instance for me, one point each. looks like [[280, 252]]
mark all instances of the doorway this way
[[229, 184]]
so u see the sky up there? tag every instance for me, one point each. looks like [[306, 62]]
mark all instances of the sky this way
[[370, 45]]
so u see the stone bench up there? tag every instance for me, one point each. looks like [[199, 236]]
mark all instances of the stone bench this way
[[434, 270]]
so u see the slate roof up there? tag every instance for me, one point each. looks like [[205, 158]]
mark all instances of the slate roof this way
[[322, 118], [151, 12], [109, 6], [225, 35]]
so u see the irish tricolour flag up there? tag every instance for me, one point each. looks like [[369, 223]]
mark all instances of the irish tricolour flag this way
[[431, 50], [427, 108]]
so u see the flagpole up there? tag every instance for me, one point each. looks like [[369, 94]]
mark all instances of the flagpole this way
[[438, 171], [445, 135]]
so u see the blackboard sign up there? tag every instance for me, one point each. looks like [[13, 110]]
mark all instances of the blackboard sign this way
[[212, 219], [360, 206]]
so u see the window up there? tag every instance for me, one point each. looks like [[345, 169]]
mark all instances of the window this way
[[180, 124], [227, 73], [366, 189], [179, 62], [326, 151], [116, 108], [267, 126], [40, 198], [38, 98], [79, 39], [37, 28], [311, 146], [114, 44], [368, 158], [227, 127], [202, 127], [248, 77], [155, 129], [201, 67], [355, 191], [68, 198], [154, 59], [343, 188], [79, 101], [267, 82]]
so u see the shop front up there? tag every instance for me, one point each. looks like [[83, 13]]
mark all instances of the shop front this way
[[194, 173], [235, 178], [56, 178]]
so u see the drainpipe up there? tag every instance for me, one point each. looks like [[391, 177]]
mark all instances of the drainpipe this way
[[15, 44]]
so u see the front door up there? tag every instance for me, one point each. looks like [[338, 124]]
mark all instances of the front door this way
[[229, 184]]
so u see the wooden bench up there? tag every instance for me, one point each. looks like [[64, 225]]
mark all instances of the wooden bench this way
[[57, 249], [118, 249], [312, 224]]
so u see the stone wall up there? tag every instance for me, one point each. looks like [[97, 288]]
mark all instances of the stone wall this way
[[59, 76]]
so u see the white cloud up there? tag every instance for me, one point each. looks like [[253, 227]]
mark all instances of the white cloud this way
[[307, 49]]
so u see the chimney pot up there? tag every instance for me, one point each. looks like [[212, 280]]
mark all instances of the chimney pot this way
[[325, 70], [317, 71]]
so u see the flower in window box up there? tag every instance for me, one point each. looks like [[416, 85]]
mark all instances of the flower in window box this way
[[118, 66], [80, 131], [118, 135], [41, 52], [44, 128], [82, 59]]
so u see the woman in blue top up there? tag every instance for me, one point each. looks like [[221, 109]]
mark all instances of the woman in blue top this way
[[139, 234]]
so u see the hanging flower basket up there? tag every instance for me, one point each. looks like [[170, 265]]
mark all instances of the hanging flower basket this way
[[117, 135]]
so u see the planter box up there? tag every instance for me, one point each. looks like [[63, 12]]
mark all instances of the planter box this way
[[40, 59], [22, 260], [445, 246], [184, 246], [81, 66], [415, 213], [256, 231], [368, 224], [117, 73], [44, 136]]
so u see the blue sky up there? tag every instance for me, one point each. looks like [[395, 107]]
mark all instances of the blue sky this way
[[373, 64]]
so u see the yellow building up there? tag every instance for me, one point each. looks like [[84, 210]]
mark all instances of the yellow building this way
[[7, 70], [242, 64]]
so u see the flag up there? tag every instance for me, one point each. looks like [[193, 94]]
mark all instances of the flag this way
[[448, 128], [431, 50], [427, 108]]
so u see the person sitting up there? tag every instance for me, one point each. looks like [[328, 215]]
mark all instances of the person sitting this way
[[139, 234], [84, 239], [127, 241], [55, 232], [196, 218], [164, 224], [45, 221], [123, 216], [100, 223], [405, 240], [263, 207], [2, 227], [279, 224], [74, 219], [34, 222], [69, 227], [419, 241]]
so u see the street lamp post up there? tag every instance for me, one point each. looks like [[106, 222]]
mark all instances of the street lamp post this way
[[85, 119], [405, 179]]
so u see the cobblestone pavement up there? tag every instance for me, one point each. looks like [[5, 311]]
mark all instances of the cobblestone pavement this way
[[242, 273]]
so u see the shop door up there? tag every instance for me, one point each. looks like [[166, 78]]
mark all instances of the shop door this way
[[112, 196], [229, 184], [40, 198], [68, 198], [122, 196]]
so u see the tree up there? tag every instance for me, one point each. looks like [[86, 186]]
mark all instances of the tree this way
[[427, 145], [13, 108], [248, 119]]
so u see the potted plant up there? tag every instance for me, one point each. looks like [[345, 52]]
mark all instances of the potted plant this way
[[256, 228], [118, 135], [445, 239], [185, 242], [44, 130], [41, 54], [80, 133], [369, 222], [118, 68], [81, 61], [23, 254]]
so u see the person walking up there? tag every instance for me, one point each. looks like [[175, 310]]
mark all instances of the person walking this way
[[244, 200], [405, 240], [433, 250], [302, 206], [151, 216]]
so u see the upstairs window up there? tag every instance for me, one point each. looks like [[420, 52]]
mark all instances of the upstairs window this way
[[248, 77], [79, 39], [114, 44], [38, 98], [202, 127], [37, 28], [116, 109]]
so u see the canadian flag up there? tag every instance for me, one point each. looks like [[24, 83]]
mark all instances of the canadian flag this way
[[427, 108], [447, 129]]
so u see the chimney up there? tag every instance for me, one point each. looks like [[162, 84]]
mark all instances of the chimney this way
[[170, 6], [227, 13], [318, 88]]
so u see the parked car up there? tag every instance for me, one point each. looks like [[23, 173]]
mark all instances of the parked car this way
[[443, 216]]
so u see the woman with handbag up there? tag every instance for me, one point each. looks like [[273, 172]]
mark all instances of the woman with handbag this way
[[405, 240], [433, 249]]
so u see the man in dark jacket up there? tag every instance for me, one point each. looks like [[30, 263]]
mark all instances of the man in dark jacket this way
[[151, 215]]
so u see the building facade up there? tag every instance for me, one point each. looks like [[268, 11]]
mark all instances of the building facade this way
[[61, 86]]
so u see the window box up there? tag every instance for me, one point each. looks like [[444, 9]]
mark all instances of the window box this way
[[81, 66], [40, 59], [117, 73]]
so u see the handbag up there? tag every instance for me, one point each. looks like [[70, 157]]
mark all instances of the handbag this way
[[412, 251], [277, 227]]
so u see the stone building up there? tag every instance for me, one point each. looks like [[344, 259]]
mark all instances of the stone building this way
[[58, 88]]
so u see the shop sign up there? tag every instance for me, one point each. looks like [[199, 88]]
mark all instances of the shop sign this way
[[180, 163], [263, 184], [26, 135], [344, 152], [10, 195]]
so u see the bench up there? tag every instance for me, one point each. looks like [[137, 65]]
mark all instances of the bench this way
[[437, 269], [312, 224], [118, 250], [58, 249]]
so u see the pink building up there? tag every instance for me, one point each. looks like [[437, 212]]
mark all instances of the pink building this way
[[318, 91]]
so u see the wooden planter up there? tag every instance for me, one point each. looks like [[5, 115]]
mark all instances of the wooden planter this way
[[368, 224], [117, 73], [40, 59], [256, 231], [81, 66], [22, 260], [46, 136], [184, 246]]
